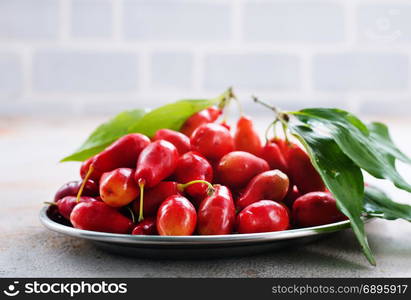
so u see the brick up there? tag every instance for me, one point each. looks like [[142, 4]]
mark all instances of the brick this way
[[384, 23], [74, 71], [360, 71], [29, 19], [308, 21], [176, 20], [252, 71], [91, 18], [11, 76], [171, 70]]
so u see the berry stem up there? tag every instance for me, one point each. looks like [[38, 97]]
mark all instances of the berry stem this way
[[273, 125], [83, 184], [133, 218], [210, 189], [50, 203], [141, 183], [265, 104]]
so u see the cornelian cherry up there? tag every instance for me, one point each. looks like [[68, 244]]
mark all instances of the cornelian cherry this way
[[301, 170], [71, 188], [246, 137], [155, 163], [273, 154], [213, 141], [146, 227], [176, 216], [98, 216], [118, 188], [205, 116], [192, 166], [66, 204], [237, 168], [154, 196], [269, 185], [179, 140], [292, 195], [263, 216], [123, 153], [216, 214], [316, 208]]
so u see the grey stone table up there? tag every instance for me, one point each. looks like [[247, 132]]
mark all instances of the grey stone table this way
[[30, 174]]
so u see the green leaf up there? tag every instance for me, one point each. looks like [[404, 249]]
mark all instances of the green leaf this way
[[340, 174], [171, 116], [106, 134], [362, 145], [379, 132], [378, 204]]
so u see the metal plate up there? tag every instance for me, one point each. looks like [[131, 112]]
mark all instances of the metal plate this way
[[196, 246]]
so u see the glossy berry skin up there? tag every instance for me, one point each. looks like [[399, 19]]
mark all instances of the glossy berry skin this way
[[156, 162], [246, 137], [123, 153], [213, 141], [192, 166], [118, 188], [205, 116], [226, 125], [301, 171], [216, 214], [292, 195], [273, 155], [176, 216], [236, 168], [179, 140], [269, 185], [98, 216], [155, 196], [66, 204], [71, 189], [146, 227], [263, 216], [316, 208]]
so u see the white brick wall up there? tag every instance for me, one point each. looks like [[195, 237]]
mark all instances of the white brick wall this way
[[102, 56]]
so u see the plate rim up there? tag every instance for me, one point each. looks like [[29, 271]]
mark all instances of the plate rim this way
[[157, 240]]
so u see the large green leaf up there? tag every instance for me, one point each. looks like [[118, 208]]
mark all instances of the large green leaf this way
[[380, 134], [367, 149], [341, 176], [105, 134], [378, 204], [171, 116]]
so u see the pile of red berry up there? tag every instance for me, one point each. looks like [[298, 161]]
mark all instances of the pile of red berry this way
[[202, 180]]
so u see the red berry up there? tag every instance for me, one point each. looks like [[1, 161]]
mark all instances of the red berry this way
[[98, 216], [216, 214], [269, 185], [246, 137], [316, 208], [145, 227], [212, 140], [179, 140], [205, 116], [176, 216], [71, 188], [118, 188], [237, 168], [192, 166], [263, 216], [123, 153]]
